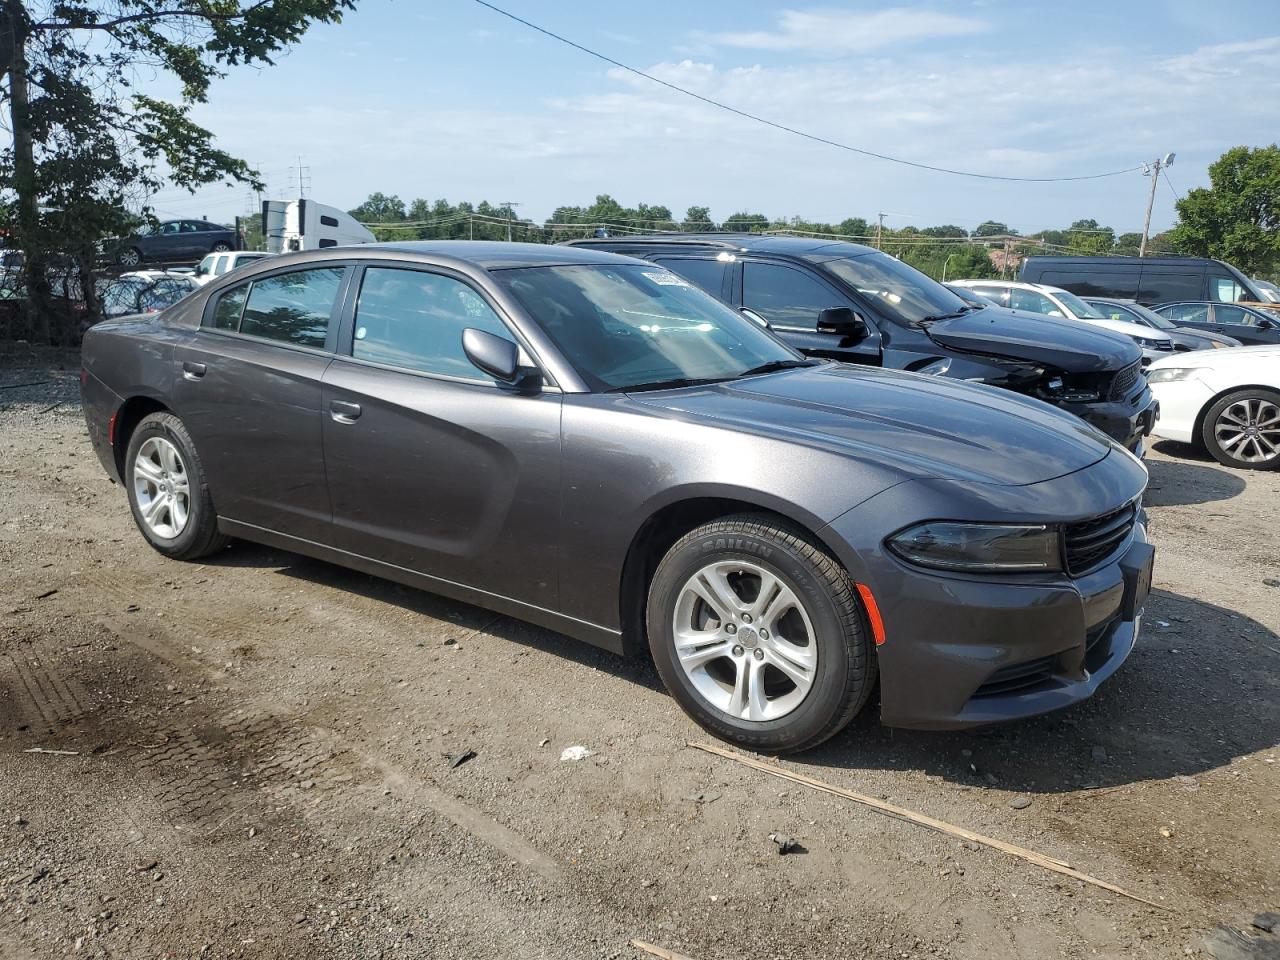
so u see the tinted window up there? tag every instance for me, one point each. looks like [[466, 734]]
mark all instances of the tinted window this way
[[1033, 302], [293, 307], [785, 296], [1185, 312], [326, 242], [998, 295], [205, 269], [173, 226], [1102, 281], [412, 319], [708, 274], [1234, 315], [192, 226], [1161, 286], [221, 264], [226, 314], [327, 221]]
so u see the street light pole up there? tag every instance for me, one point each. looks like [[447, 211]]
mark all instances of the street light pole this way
[[946, 263], [1152, 170]]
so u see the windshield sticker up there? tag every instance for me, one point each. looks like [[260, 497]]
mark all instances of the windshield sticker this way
[[665, 278]]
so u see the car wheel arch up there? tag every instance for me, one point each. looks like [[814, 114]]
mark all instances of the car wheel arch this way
[[1197, 432], [660, 531], [127, 417]]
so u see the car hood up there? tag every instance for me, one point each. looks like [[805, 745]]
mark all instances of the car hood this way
[[926, 426], [1066, 345]]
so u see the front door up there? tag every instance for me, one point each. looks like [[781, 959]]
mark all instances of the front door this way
[[1245, 325], [247, 386], [432, 465]]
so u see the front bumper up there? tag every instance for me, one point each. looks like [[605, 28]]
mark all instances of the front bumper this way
[[963, 650], [1125, 421]]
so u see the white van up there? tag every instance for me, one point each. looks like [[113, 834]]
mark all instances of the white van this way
[[307, 225], [216, 264]]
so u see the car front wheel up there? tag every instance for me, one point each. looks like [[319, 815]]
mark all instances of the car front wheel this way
[[220, 247], [1243, 429], [167, 490], [129, 257], [757, 633]]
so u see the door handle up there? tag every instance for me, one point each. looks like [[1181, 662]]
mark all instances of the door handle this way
[[192, 371], [343, 411]]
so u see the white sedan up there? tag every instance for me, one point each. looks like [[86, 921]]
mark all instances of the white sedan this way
[[1227, 401]]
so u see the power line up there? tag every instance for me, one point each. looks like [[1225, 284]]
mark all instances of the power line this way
[[792, 130], [1169, 184]]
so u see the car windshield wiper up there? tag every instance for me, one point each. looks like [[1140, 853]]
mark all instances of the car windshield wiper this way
[[949, 316], [773, 365], [666, 384]]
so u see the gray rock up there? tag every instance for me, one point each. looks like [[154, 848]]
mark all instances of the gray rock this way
[[1267, 921], [1228, 943], [1020, 803]]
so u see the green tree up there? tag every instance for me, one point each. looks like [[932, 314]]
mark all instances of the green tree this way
[[379, 208], [87, 144], [697, 219], [746, 222], [1087, 239], [993, 228], [1237, 217]]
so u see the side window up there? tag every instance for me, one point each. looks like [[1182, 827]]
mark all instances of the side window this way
[[222, 264], [997, 295], [1234, 315], [1185, 312], [293, 307], [170, 228], [707, 274], [191, 226], [1033, 302], [226, 313], [412, 319], [785, 296], [1224, 289], [1163, 286]]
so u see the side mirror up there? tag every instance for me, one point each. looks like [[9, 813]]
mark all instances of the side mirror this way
[[1266, 323], [843, 322], [496, 356]]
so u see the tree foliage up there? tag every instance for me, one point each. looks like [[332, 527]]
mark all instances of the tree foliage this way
[[1237, 217], [88, 147]]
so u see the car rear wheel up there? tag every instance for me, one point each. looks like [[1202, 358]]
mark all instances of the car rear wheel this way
[[1243, 429], [167, 490], [757, 633], [129, 257], [220, 248]]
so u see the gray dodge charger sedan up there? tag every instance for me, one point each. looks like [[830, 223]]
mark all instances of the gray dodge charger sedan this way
[[585, 441]]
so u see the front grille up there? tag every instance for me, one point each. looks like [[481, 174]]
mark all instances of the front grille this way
[[1089, 542], [1123, 381]]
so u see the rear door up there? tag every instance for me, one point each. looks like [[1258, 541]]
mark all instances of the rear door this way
[[432, 465], [1245, 325], [708, 273], [791, 298], [1194, 315], [248, 388]]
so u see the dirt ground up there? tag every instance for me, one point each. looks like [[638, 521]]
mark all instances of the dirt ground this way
[[260, 763]]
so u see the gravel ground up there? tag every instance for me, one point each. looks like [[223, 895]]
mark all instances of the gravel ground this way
[[260, 762]]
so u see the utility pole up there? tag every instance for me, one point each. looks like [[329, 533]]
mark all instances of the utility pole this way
[[511, 206], [304, 179], [1152, 170], [879, 228]]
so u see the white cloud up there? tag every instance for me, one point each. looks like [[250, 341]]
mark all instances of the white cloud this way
[[835, 32]]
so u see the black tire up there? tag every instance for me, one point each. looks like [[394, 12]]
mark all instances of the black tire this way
[[846, 666], [199, 536], [220, 247], [129, 257], [1251, 406]]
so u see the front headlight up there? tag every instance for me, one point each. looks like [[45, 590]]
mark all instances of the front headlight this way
[[979, 547], [1149, 344], [1168, 374]]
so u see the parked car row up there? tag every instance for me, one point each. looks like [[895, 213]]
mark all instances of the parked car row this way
[[664, 454], [853, 303]]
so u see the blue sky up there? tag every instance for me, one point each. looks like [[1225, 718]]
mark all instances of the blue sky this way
[[447, 99]]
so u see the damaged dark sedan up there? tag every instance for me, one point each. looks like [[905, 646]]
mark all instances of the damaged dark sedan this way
[[591, 443]]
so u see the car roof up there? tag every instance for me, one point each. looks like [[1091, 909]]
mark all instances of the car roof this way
[[1018, 284], [486, 254], [741, 242]]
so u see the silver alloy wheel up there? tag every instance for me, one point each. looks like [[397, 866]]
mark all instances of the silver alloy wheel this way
[[1249, 430], [130, 258], [745, 641], [162, 488]]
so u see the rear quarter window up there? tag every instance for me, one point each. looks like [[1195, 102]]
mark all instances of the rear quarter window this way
[[227, 310]]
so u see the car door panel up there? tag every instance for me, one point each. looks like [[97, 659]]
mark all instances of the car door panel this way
[[1243, 325], [791, 298], [254, 414], [457, 480]]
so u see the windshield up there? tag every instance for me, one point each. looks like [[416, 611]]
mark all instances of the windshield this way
[[627, 327], [1078, 306], [900, 292], [1131, 313]]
